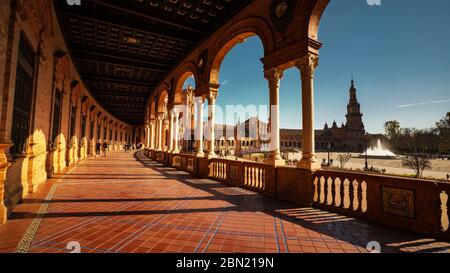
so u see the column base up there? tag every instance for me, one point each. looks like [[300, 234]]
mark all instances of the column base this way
[[211, 155], [200, 154], [309, 164], [275, 162]]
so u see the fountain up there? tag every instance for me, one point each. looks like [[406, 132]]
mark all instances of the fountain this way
[[378, 152]]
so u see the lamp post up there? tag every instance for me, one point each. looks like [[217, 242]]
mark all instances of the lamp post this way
[[329, 150]]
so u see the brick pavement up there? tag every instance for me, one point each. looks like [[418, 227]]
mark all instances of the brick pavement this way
[[127, 203]]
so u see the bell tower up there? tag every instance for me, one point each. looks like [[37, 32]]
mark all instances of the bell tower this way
[[354, 115]]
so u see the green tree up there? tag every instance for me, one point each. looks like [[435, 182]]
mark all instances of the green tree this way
[[392, 129], [443, 131]]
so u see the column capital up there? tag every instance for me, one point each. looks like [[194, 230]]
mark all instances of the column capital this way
[[212, 96], [200, 99], [160, 116], [307, 64], [274, 74]]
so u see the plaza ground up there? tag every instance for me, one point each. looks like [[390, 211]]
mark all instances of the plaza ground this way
[[439, 170], [127, 203]]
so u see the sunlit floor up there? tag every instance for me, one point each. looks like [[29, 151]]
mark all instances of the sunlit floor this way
[[126, 203]]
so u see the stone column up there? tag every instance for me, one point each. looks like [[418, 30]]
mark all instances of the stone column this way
[[147, 136], [307, 66], [212, 123], [160, 130], [171, 136], [176, 148], [152, 134], [199, 128], [274, 77], [4, 164]]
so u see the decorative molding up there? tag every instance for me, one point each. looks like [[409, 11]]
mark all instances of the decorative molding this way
[[281, 13]]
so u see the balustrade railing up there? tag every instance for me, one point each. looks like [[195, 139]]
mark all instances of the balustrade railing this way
[[255, 176], [218, 169], [412, 204], [338, 191]]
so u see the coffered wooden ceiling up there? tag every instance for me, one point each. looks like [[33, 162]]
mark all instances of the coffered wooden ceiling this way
[[124, 48]]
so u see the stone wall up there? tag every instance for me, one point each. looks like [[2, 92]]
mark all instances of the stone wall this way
[[54, 72]]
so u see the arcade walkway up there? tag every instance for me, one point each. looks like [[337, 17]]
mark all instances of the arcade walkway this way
[[126, 203]]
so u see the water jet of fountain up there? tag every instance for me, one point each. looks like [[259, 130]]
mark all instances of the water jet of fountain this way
[[379, 151]]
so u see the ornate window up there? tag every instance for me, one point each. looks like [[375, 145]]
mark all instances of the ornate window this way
[[23, 97], [56, 126]]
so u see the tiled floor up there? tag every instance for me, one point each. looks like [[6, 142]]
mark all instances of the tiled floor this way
[[127, 203]]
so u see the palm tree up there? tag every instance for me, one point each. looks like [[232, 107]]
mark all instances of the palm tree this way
[[418, 163]]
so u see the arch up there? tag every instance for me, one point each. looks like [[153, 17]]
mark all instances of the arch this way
[[161, 106], [187, 70], [314, 20], [252, 26]]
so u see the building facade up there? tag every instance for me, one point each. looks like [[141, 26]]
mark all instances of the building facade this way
[[348, 137]]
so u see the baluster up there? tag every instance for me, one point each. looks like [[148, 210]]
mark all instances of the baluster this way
[[253, 177], [224, 171], [249, 176], [326, 189], [257, 178], [263, 179], [333, 192], [342, 192], [363, 190], [217, 170], [245, 175], [351, 192], [322, 190], [357, 202], [316, 189], [444, 211]]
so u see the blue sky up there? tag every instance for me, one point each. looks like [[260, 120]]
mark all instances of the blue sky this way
[[399, 54]]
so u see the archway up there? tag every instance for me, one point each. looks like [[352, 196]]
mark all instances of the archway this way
[[243, 93]]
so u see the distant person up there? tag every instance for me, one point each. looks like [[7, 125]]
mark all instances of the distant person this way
[[98, 147], [105, 148]]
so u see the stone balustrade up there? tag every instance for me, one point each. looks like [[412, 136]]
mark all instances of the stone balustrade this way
[[411, 204]]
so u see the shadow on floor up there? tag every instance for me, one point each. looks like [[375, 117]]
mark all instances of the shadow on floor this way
[[328, 225]]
